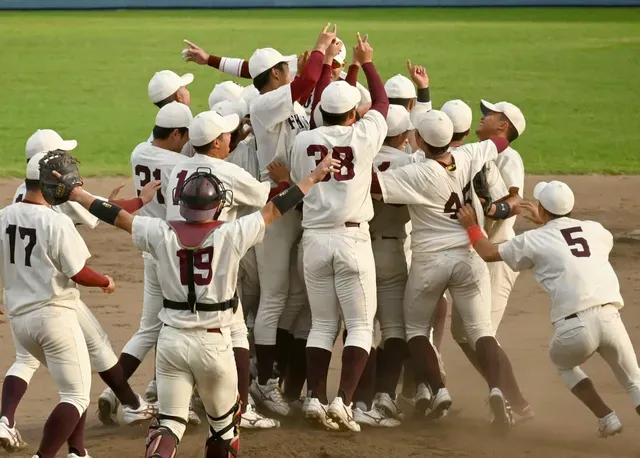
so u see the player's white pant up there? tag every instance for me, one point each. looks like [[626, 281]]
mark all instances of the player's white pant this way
[[53, 336], [274, 265], [391, 280], [188, 358], [597, 329], [339, 271], [100, 351], [147, 335], [238, 329], [249, 283], [465, 275], [298, 300]]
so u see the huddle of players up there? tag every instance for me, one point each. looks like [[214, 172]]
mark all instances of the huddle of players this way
[[342, 258]]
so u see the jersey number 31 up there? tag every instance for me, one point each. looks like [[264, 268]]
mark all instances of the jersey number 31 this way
[[342, 153]]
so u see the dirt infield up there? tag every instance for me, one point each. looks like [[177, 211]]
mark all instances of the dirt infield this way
[[562, 427]]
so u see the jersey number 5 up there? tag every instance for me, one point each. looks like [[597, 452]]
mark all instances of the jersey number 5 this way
[[574, 242], [143, 172], [201, 261], [342, 153], [24, 232]]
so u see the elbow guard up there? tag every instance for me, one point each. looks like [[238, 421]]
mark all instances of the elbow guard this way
[[288, 199]]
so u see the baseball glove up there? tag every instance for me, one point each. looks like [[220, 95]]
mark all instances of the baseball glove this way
[[481, 186], [56, 190]]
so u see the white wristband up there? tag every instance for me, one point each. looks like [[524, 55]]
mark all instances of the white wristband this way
[[231, 66]]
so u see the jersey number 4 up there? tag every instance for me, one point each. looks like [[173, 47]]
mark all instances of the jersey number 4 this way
[[342, 153], [201, 261], [25, 232], [143, 172], [453, 205], [579, 245]]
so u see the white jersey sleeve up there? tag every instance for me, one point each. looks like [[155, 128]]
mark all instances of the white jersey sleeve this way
[[245, 232], [511, 169], [516, 253], [147, 233], [372, 126], [273, 107], [478, 154], [245, 156], [67, 248], [406, 185]]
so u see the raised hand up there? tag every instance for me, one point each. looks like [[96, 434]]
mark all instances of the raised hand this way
[[363, 52], [149, 190], [418, 74], [467, 216], [326, 38], [116, 191], [278, 172], [327, 165], [333, 50], [302, 60], [533, 215], [195, 54]]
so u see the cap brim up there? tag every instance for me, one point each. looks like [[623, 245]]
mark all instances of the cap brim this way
[[186, 79], [416, 113], [488, 107], [230, 123], [537, 190], [69, 145]]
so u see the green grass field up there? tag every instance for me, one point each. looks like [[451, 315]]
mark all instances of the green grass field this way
[[573, 72]]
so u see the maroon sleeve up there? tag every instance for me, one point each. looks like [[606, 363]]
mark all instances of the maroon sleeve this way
[[352, 75], [89, 277], [278, 189], [214, 61], [375, 184], [321, 85], [129, 205], [501, 143], [379, 99], [302, 87]]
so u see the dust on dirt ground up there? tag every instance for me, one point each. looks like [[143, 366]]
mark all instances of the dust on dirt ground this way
[[562, 427]]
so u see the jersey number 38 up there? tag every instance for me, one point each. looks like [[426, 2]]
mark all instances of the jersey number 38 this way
[[343, 153]]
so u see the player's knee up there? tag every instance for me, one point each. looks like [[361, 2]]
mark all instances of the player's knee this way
[[393, 331], [24, 367], [416, 330], [224, 434], [176, 425], [475, 332], [359, 335], [79, 400], [571, 376]]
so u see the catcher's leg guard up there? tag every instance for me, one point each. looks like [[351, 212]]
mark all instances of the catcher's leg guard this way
[[161, 442], [225, 441]]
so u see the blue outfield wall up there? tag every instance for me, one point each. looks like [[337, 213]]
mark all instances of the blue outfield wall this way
[[118, 4]]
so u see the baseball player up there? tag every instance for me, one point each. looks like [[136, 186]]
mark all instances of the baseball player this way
[[211, 135], [442, 259], [507, 168], [199, 261], [149, 162], [570, 260], [339, 268]]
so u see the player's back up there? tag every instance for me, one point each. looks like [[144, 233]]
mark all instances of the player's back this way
[[343, 196], [41, 250], [150, 163], [216, 262]]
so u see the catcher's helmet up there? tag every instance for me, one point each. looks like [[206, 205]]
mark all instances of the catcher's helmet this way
[[200, 196]]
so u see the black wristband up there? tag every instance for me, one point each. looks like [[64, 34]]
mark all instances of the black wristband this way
[[423, 95], [502, 211], [104, 211], [288, 199]]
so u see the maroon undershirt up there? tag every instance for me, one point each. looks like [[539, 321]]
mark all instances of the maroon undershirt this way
[[129, 205], [321, 85], [303, 86], [89, 277], [379, 99], [352, 75]]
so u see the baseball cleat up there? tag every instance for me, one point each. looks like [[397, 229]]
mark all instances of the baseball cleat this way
[[502, 418], [270, 397], [73, 455], [108, 408], [10, 438], [440, 405], [151, 394], [193, 418], [251, 419], [374, 418], [422, 399], [315, 411], [609, 426], [389, 406], [297, 407], [343, 415], [524, 414], [146, 411]]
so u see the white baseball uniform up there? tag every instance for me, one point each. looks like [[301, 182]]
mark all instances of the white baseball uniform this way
[[442, 256], [570, 260], [388, 234], [40, 252], [149, 163], [195, 349], [339, 268]]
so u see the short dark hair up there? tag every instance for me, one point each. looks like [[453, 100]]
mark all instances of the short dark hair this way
[[391, 138], [436, 151], [162, 133], [330, 119], [167, 101], [512, 132], [32, 185], [203, 149], [398, 101], [459, 136], [263, 78], [554, 216]]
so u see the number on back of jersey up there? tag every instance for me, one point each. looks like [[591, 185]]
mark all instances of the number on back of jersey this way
[[454, 204], [343, 153]]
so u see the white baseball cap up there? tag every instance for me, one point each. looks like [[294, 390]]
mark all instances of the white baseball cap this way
[[400, 87], [460, 114], [227, 90], [555, 197], [342, 55], [339, 97], [512, 112], [265, 58], [398, 121], [209, 125], [165, 83], [45, 140], [33, 166], [227, 107], [249, 93], [174, 115], [435, 128]]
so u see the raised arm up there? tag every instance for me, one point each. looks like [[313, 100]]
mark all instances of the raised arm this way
[[302, 87], [420, 78], [364, 53], [325, 76], [229, 65]]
